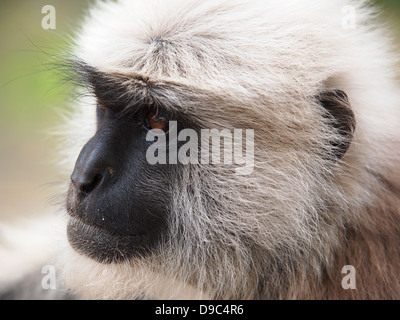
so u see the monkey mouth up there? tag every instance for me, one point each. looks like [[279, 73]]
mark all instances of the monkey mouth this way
[[104, 246]]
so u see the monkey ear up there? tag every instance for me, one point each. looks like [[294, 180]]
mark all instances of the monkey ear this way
[[337, 104]]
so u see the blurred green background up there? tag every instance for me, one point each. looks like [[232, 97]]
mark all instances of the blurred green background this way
[[31, 97]]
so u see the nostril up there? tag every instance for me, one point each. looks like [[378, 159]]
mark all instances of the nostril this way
[[86, 182], [90, 186]]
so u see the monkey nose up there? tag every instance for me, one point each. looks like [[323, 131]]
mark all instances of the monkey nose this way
[[86, 181]]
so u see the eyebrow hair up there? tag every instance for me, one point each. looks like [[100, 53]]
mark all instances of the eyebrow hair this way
[[114, 90], [131, 92]]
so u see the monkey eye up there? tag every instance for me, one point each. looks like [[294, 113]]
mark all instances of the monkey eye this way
[[101, 107], [101, 111], [155, 120]]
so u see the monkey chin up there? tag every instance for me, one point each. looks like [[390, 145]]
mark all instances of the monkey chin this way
[[104, 246]]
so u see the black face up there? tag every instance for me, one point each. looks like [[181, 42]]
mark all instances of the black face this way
[[117, 201]]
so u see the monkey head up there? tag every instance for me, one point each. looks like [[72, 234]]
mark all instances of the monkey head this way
[[186, 218]]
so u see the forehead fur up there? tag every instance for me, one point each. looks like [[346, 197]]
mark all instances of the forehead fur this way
[[236, 43]]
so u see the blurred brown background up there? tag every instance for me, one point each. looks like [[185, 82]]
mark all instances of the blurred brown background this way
[[31, 97]]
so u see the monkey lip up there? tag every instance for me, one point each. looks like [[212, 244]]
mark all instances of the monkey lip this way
[[104, 246]]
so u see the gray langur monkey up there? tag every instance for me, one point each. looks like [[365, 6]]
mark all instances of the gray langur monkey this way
[[324, 193]]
